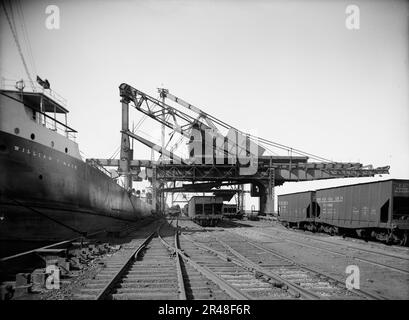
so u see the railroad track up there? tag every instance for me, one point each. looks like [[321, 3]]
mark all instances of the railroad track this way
[[231, 275], [71, 256], [204, 265], [328, 240], [152, 268], [114, 269], [304, 282], [260, 224], [21, 259], [402, 259], [164, 266]]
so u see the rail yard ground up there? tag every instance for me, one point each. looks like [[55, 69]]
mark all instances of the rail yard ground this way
[[238, 259], [384, 270]]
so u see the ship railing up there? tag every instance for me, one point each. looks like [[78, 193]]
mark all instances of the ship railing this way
[[56, 126], [43, 118], [32, 86]]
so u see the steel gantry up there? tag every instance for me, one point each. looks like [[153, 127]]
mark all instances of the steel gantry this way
[[207, 171]]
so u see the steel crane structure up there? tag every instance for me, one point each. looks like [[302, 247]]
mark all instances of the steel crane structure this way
[[215, 158]]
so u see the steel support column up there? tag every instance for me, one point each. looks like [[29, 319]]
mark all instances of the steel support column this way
[[126, 152], [240, 197], [154, 188], [267, 193]]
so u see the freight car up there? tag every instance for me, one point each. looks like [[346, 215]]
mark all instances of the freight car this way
[[174, 211], [375, 210], [185, 210], [230, 211], [206, 210], [298, 209]]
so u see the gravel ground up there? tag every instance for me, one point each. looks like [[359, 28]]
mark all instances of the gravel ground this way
[[390, 284], [70, 285]]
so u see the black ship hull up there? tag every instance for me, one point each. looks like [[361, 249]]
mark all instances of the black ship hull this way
[[47, 195]]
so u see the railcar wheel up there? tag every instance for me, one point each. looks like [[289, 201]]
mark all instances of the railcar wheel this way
[[362, 234], [389, 238], [404, 240]]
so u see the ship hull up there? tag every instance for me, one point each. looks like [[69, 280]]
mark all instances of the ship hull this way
[[48, 195]]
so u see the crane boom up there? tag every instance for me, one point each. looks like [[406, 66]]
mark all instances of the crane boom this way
[[178, 120], [261, 142], [233, 133], [165, 93]]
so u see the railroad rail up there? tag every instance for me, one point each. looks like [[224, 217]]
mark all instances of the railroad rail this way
[[307, 283], [177, 259], [353, 247], [287, 230], [62, 244], [236, 279], [69, 255], [349, 247], [165, 266], [153, 269], [118, 279]]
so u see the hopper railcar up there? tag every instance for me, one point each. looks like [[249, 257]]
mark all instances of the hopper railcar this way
[[175, 211], [185, 210], [375, 210], [230, 211], [206, 210]]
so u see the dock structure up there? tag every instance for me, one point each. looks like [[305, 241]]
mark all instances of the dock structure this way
[[215, 159]]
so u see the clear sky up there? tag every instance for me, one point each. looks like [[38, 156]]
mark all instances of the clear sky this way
[[289, 69]]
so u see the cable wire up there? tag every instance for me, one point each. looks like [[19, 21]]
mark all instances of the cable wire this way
[[26, 36], [15, 36]]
